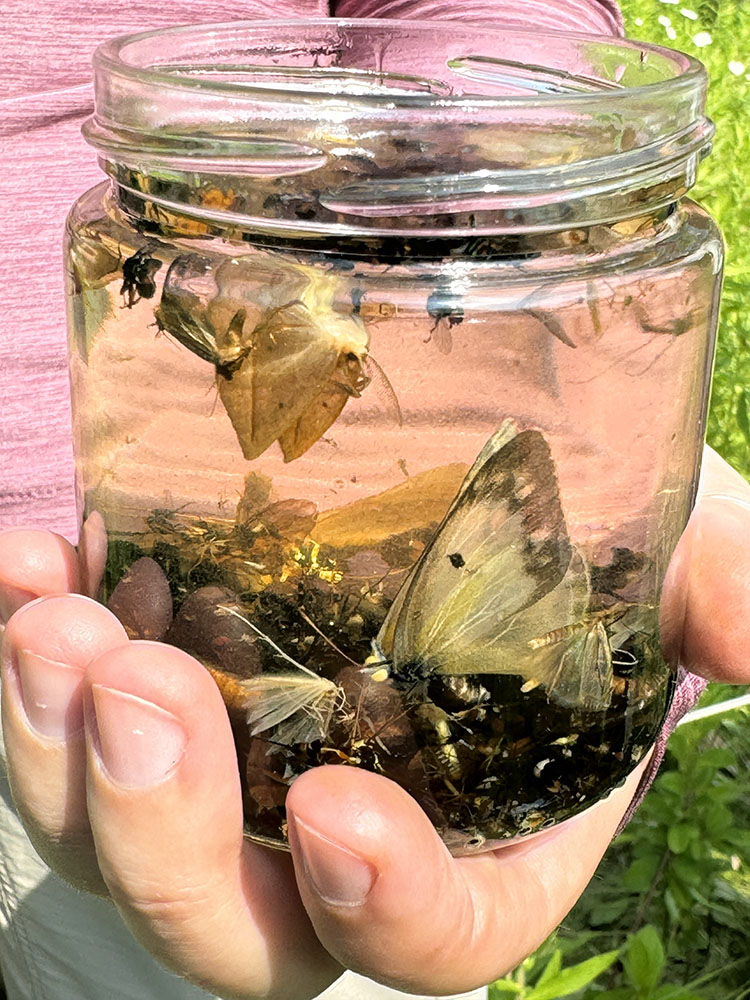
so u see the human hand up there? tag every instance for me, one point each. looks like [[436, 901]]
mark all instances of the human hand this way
[[124, 771]]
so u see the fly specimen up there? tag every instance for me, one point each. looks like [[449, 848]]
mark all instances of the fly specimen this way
[[138, 277], [285, 378]]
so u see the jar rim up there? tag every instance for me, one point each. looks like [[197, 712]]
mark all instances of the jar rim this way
[[111, 56], [388, 125]]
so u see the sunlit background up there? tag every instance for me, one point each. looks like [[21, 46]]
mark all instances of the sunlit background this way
[[718, 33]]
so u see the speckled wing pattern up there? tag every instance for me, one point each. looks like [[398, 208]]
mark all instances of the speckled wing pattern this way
[[499, 575]]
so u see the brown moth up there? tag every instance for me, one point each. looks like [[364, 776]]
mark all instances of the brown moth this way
[[302, 366], [284, 373]]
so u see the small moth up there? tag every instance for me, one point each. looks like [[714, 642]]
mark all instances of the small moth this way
[[298, 705]]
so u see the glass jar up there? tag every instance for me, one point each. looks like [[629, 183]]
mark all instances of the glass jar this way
[[390, 350]]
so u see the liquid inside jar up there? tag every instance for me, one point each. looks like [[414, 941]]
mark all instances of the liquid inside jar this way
[[412, 510]]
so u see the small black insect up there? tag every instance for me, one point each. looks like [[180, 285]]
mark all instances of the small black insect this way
[[457, 560], [138, 277], [446, 308], [445, 304]]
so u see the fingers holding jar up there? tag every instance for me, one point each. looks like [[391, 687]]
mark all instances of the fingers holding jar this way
[[45, 650], [706, 601], [388, 900], [123, 768], [166, 813], [34, 562]]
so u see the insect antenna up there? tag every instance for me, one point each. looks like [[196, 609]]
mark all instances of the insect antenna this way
[[325, 638], [261, 635]]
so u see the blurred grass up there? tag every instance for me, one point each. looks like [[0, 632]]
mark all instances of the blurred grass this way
[[718, 33]]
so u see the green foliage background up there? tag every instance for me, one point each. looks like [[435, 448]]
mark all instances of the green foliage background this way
[[718, 33], [666, 916]]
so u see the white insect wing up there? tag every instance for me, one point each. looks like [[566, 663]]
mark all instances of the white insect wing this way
[[298, 708], [501, 550], [584, 675]]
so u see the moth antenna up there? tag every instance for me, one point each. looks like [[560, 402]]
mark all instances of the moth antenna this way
[[261, 635], [383, 383], [325, 638]]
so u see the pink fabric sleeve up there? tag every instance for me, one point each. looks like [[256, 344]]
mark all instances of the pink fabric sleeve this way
[[45, 57]]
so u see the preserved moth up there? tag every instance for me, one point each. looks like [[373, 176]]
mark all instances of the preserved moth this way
[[285, 377], [500, 589]]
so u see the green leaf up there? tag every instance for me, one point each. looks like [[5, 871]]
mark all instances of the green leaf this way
[[672, 781], [680, 835], [717, 757], [610, 911], [551, 969], [644, 960], [718, 821], [671, 905], [571, 980], [689, 872], [641, 873], [502, 987]]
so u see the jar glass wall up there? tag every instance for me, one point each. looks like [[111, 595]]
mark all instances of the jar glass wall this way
[[397, 443]]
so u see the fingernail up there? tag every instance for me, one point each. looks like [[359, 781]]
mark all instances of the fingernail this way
[[51, 695], [339, 876], [13, 598], [138, 743]]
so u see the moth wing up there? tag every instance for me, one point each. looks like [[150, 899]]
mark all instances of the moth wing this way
[[502, 436], [386, 637], [323, 409], [583, 675], [314, 422], [289, 360], [509, 649], [299, 707], [180, 312], [501, 548]]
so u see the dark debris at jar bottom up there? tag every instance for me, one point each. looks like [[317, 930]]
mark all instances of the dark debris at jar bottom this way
[[486, 760]]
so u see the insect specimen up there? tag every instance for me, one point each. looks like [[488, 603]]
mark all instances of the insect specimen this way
[[446, 308], [298, 705], [500, 589], [138, 277], [287, 378]]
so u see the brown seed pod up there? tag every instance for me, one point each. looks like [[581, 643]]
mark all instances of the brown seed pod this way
[[142, 600], [202, 628]]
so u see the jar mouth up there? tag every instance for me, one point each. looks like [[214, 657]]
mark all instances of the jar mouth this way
[[345, 126]]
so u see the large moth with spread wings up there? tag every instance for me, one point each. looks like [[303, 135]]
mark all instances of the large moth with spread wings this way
[[286, 377], [500, 589]]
